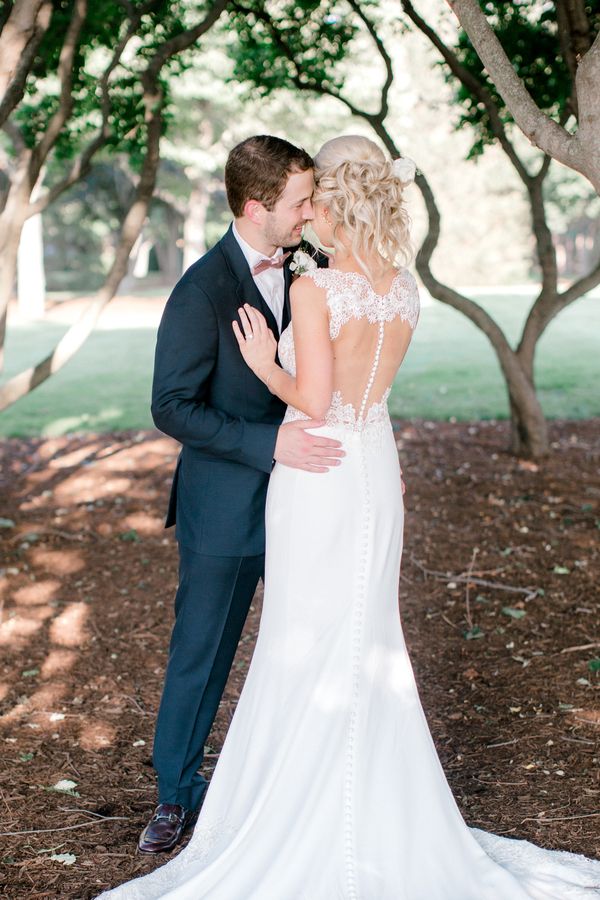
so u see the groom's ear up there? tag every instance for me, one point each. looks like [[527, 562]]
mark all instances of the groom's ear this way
[[255, 211]]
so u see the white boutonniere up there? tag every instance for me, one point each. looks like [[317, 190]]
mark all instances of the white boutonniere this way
[[302, 262]]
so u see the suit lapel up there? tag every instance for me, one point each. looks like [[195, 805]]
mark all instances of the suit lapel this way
[[287, 310], [246, 291]]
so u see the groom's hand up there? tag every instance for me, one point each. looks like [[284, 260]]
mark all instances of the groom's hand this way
[[296, 448]]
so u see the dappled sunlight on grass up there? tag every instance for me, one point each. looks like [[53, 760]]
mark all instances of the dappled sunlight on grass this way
[[145, 524], [59, 562], [68, 628], [58, 662], [147, 455], [83, 422], [14, 631], [37, 707], [39, 592], [86, 488], [96, 734], [80, 685], [76, 457]]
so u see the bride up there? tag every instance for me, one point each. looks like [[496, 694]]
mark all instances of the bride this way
[[328, 786]]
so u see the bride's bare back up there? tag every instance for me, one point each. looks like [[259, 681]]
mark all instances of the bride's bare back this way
[[370, 333]]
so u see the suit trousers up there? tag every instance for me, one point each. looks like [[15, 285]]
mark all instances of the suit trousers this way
[[211, 606]]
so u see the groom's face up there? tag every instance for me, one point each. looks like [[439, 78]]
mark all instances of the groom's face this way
[[283, 224]]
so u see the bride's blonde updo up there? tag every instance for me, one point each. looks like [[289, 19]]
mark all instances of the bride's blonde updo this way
[[356, 182]]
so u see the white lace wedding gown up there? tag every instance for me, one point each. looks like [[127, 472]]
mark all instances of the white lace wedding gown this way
[[328, 786]]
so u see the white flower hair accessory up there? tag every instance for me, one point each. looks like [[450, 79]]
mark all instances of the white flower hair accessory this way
[[302, 262], [404, 169]]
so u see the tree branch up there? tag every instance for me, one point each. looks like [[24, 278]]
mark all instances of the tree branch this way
[[65, 74], [533, 183], [546, 308], [82, 163], [580, 33], [381, 49], [14, 74], [472, 84], [17, 32], [580, 287], [297, 78], [575, 39], [540, 129], [182, 41]]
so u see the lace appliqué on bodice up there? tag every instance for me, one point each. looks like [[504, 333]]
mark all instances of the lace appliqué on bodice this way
[[350, 296]]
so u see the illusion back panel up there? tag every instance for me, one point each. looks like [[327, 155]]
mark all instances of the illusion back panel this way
[[367, 356]]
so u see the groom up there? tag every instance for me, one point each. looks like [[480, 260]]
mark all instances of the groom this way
[[230, 429]]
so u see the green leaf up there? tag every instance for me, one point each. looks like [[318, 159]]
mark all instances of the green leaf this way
[[473, 633], [6, 523], [25, 757], [65, 786], [513, 613], [30, 673], [561, 570], [130, 535], [594, 665]]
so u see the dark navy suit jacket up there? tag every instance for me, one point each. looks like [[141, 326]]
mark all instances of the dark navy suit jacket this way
[[205, 396]]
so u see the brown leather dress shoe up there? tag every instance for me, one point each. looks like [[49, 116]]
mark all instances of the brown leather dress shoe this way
[[165, 828]]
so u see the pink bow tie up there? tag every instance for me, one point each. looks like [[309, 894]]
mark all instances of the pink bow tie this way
[[272, 262]]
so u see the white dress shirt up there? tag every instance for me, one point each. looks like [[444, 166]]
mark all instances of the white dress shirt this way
[[270, 282]]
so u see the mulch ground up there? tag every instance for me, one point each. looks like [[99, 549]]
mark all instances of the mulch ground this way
[[500, 604]]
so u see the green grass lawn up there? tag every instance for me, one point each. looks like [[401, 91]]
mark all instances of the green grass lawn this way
[[449, 371]]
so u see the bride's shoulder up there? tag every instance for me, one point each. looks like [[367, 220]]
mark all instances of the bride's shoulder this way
[[405, 285], [312, 282], [403, 298]]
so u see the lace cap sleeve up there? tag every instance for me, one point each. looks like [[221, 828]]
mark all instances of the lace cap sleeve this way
[[350, 296]]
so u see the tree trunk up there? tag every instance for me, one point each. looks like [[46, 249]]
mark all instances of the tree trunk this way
[[528, 430], [142, 259], [11, 225], [31, 277], [23, 383], [194, 226], [9, 249], [168, 251]]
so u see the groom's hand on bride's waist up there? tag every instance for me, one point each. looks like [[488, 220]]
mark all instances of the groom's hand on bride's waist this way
[[296, 448]]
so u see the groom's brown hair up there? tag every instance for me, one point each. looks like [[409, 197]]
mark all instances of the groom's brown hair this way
[[258, 169]]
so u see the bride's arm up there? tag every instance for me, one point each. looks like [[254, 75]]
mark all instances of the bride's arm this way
[[310, 391]]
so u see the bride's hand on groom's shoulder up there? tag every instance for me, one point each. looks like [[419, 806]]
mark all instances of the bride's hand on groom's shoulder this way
[[256, 340]]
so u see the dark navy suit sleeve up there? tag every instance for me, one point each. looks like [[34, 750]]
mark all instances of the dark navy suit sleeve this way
[[186, 351]]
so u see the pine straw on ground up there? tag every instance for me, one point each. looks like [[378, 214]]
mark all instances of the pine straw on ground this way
[[500, 605]]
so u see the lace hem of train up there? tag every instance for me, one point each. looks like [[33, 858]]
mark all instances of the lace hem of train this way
[[207, 841], [542, 871]]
